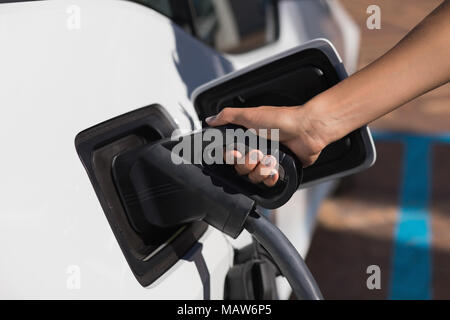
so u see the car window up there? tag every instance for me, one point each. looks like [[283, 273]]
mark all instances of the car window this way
[[231, 26], [162, 6], [235, 26]]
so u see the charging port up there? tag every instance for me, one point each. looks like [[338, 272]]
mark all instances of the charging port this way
[[149, 249]]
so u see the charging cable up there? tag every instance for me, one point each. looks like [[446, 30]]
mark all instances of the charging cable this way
[[284, 255]]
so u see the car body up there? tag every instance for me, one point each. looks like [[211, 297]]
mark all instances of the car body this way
[[68, 65]]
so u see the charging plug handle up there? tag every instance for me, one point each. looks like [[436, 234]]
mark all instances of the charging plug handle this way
[[152, 185]]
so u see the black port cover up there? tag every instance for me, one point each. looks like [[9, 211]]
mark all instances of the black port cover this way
[[289, 81], [149, 250]]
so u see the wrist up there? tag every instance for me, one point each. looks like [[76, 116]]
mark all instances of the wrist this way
[[318, 124], [331, 114]]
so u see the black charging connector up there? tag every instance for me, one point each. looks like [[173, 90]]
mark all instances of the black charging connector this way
[[168, 189], [153, 177], [150, 173]]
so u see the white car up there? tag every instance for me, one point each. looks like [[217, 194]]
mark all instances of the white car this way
[[69, 65]]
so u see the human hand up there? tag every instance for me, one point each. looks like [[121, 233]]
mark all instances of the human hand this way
[[297, 131]]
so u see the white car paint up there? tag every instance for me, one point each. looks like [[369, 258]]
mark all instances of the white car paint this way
[[56, 81]]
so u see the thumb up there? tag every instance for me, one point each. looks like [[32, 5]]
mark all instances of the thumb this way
[[228, 115]]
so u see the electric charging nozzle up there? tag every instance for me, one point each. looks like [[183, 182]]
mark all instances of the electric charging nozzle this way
[[169, 194], [169, 189]]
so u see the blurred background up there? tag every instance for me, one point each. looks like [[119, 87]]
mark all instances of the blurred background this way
[[397, 214]]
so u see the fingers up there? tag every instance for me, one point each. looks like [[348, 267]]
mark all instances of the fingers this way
[[263, 170], [250, 162], [232, 156], [228, 115], [263, 119], [272, 179], [288, 125], [255, 165], [246, 117]]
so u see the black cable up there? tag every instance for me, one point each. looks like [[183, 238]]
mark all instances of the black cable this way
[[285, 256]]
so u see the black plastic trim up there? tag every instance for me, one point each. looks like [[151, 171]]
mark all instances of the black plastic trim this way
[[96, 147], [289, 81]]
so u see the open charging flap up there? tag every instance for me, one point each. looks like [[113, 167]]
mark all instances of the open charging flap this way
[[291, 79]]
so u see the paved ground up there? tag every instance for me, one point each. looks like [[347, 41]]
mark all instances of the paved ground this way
[[397, 214]]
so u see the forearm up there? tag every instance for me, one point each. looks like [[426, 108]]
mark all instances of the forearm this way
[[417, 64]]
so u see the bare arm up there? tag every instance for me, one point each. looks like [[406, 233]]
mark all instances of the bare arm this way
[[419, 63]]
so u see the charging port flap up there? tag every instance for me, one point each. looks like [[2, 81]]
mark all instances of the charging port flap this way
[[291, 79]]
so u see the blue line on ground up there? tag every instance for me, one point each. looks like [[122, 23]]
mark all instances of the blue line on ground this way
[[411, 275], [412, 265]]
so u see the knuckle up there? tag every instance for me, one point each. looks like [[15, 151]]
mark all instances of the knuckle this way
[[269, 161], [307, 161], [264, 171], [244, 116], [254, 156], [270, 182], [240, 169], [226, 114], [243, 169], [255, 176]]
